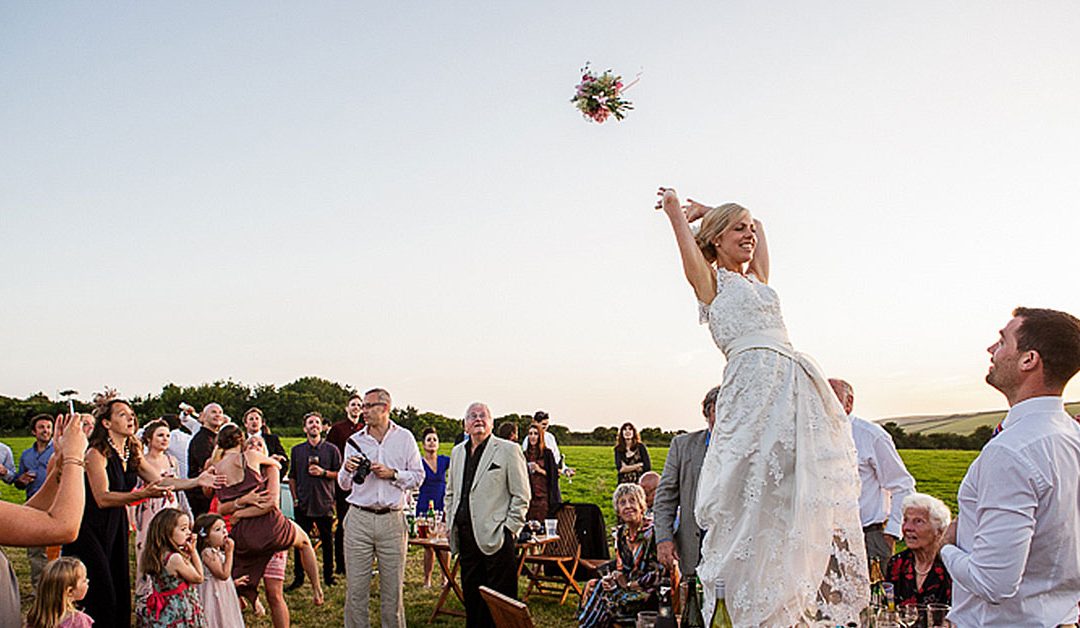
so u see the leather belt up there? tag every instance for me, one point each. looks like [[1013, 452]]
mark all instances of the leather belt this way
[[873, 527], [379, 511]]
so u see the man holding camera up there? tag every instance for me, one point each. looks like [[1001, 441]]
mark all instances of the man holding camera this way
[[312, 480], [382, 464]]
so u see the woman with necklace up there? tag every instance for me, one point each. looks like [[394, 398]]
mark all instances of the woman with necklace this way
[[633, 584], [917, 574], [114, 462], [156, 437]]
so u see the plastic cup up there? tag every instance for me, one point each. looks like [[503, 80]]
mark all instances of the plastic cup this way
[[551, 527]]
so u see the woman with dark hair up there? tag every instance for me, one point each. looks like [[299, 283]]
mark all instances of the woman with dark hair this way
[[631, 455], [507, 430], [543, 475], [156, 437], [260, 531], [114, 463], [433, 490]]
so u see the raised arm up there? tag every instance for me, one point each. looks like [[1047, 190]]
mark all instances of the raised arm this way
[[698, 271], [53, 515], [759, 265]]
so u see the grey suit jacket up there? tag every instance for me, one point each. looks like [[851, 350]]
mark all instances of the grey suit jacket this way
[[499, 497], [678, 492]]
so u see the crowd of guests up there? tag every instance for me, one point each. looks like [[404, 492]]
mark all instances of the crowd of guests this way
[[209, 530]]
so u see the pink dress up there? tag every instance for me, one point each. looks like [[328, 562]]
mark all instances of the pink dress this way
[[78, 620], [219, 599]]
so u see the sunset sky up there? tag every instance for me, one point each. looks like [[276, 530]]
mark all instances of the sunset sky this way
[[401, 195]]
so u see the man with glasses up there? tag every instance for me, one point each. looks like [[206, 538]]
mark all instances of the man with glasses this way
[[382, 465], [487, 496]]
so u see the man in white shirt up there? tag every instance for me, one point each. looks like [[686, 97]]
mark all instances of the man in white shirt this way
[[1014, 550], [375, 524], [885, 480]]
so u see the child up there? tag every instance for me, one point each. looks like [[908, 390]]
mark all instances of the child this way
[[172, 564], [220, 602], [63, 582]]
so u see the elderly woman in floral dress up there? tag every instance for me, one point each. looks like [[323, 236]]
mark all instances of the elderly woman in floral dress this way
[[917, 574], [632, 586]]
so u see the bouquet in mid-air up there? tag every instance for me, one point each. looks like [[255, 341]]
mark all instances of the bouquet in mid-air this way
[[599, 97]]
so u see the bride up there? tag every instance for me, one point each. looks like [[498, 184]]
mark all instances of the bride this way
[[778, 492]]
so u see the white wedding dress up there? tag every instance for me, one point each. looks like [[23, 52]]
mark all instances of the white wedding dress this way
[[779, 489]]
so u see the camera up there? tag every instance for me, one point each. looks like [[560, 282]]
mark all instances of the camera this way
[[363, 468]]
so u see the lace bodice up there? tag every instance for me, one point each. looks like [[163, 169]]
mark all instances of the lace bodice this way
[[742, 306]]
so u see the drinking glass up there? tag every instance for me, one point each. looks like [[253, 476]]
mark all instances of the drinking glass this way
[[908, 615], [935, 615]]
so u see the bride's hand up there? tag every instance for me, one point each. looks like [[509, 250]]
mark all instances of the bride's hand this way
[[694, 210], [669, 200]]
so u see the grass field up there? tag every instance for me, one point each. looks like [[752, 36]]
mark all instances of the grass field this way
[[936, 472]]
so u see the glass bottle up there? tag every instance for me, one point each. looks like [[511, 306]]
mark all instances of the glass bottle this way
[[691, 616], [720, 616]]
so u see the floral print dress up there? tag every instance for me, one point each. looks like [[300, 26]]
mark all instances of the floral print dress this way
[[635, 557], [171, 603]]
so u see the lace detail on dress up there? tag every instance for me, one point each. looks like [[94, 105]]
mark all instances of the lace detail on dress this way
[[778, 491]]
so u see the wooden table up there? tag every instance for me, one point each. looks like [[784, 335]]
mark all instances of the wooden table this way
[[449, 568]]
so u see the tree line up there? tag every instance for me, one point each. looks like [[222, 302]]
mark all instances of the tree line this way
[[285, 406]]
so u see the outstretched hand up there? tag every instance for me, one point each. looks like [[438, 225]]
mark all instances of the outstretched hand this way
[[694, 210], [668, 201]]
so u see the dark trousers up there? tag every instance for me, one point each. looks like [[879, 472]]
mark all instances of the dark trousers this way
[[325, 524], [342, 508], [497, 571]]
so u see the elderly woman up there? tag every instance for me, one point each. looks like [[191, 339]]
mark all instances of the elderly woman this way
[[917, 573], [632, 585]]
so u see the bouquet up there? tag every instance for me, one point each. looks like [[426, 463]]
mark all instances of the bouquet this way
[[598, 97]]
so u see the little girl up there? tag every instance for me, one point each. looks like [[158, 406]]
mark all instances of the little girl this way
[[172, 564], [221, 604], [63, 582]]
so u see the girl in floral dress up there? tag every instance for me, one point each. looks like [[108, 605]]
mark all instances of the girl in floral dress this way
[[172, 563]]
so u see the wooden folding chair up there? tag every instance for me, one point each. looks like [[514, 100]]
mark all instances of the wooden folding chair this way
[[506, 611], [561, 558]]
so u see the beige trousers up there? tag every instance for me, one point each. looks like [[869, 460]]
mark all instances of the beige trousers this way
[[369, 536]]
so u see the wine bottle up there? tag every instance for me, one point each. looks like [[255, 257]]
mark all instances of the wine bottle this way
[[691, 616], [720, 617]]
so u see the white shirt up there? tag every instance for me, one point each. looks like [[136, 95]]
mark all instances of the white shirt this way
[[550, 443], [399, 451], [1016, 561], [178, 448], [885, 479]]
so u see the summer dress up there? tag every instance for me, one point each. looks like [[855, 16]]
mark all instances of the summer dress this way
[[779, 489]]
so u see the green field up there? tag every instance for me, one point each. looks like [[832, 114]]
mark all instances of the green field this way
[[937, 472]]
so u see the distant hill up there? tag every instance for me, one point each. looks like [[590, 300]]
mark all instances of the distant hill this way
[[957, 423]]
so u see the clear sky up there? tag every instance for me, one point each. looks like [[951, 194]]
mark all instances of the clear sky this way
[[400, 194]]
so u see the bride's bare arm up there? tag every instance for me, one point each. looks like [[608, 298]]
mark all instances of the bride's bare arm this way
[[698, 271], [759, 265]]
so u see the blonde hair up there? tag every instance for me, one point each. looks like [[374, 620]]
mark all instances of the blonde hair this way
[[715, 222], [52, 603]]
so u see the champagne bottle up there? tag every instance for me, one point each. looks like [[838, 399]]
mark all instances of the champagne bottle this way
[[691, 616], [720, 617]]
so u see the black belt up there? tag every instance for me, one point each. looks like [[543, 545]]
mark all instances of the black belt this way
[[873, 527], [379, 511]]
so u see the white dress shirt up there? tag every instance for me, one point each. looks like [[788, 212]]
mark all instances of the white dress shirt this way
[[885, 479], [178, 448], [1016, 561], [399, 451]]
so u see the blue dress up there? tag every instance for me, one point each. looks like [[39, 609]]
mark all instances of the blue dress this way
[[434, 487]]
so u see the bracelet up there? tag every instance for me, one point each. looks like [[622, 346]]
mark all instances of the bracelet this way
[[79, 461]]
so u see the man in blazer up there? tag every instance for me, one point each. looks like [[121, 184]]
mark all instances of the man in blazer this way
[[487, 495], [678, 538]]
